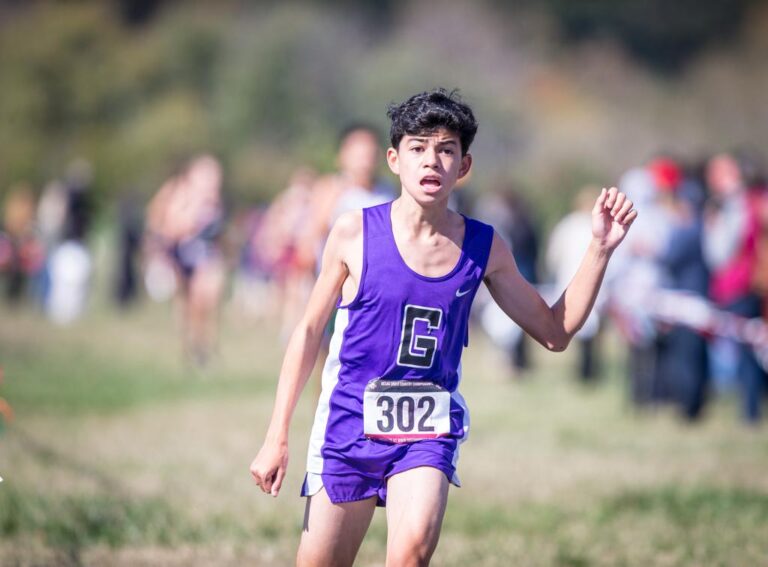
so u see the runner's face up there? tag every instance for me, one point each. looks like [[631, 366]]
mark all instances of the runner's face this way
[[359, 157], [724, 176], [429, 165]]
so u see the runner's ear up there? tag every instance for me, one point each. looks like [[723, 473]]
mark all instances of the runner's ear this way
[[393, 161], [466, 165]]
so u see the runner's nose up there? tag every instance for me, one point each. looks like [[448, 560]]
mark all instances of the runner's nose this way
[[430, 158]]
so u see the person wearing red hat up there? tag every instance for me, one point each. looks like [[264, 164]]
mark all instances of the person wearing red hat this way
[[682, 360]]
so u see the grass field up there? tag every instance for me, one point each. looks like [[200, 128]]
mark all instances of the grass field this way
[[121, 455]]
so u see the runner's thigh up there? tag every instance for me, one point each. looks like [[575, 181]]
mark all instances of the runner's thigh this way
[[416, 502], [333, 532]]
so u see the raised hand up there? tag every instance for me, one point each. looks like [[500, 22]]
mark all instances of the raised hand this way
[[612, 216]]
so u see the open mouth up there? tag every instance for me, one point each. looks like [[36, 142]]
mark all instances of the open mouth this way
[[431, 183]]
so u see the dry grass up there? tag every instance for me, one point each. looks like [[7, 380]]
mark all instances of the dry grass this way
[[122, 456]]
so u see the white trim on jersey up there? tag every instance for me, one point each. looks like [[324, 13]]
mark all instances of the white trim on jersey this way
[[459, 399], [330, 379]]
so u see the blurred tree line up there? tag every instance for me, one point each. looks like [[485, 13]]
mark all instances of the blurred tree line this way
[[137, 86], [662, 34]]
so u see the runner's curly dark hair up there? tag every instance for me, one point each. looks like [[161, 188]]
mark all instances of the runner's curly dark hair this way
[[427, 112]]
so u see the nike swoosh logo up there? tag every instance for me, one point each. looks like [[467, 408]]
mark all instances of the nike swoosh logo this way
[[459, 293]]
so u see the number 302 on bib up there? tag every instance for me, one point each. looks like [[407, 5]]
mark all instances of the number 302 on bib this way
[[402, 411]]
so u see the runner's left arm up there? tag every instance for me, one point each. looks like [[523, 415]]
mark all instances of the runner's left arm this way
[[554, 326]]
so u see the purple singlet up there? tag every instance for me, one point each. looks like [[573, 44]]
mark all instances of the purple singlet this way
[[390, 399]]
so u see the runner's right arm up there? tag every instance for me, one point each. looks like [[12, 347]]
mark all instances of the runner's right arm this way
[[269, 466]]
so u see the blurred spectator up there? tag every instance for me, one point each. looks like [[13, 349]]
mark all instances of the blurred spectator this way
[[129, 231], [6, 411], [731, 231], [633, 276], [79, 206], [509, 214], [70, 264], [21, 254], [755, 180], [567, 242], [682, 363], [70, 270], [51, 217]]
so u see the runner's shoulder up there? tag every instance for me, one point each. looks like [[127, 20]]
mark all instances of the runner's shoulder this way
[[349, 225]]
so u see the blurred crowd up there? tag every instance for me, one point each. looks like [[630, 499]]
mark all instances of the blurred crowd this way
[[43, 246], [687, 291]]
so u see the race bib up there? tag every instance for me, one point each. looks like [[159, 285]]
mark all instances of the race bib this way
[[403, 411]]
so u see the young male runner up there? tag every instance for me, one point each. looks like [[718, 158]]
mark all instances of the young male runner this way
[[390, 417]]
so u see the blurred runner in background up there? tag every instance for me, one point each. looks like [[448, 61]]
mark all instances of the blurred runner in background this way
[[354, 186], [184, 221], [285, 226]]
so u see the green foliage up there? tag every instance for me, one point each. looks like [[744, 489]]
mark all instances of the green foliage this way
[[85, 86], [267, 86], [250, 86], [663, 34]]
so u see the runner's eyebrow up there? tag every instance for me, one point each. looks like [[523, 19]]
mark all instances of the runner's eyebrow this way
[[441, 142]]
